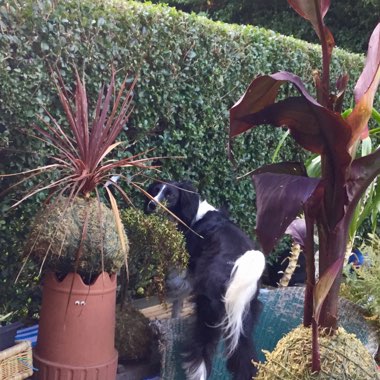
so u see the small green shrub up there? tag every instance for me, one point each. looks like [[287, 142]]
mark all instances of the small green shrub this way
[[156, 246]]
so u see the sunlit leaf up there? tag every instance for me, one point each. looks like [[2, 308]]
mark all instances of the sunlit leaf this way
[[312, 10], [366, 88]]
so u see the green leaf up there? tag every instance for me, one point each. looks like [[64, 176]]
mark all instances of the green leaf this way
[[44, 46]]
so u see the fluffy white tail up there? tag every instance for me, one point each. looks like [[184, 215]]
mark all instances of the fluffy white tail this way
[[243, 285], [195, 372]]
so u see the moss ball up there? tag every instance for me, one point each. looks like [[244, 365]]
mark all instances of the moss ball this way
[[343, 356], [133, 337], [78, 235]]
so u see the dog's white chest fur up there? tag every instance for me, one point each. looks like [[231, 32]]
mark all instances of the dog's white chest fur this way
[[203, 208]]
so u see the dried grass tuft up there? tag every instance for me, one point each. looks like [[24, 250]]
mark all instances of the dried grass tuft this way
[[59, 243], [343, 357]]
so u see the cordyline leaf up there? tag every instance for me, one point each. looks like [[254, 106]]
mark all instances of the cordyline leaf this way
[[279, 199], [69, 113], [39, 189], [297, 230], [324, 284], [82, 147], [108, 128], [39, 169], [109, 149], [102, 108], [366, 88], [81, 115], [118, 222], [56, 135]]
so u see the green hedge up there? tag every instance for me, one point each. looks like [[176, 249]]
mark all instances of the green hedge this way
[[191, 71], [350, 21]]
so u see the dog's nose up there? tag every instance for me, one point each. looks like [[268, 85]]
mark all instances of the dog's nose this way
[[151, 207]]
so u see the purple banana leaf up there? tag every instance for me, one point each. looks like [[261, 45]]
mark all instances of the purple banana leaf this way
[[297, 230]]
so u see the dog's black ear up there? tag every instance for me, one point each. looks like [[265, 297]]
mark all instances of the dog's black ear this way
[[188, 201]]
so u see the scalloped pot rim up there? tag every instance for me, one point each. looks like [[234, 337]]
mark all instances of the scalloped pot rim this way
[[73, 283]]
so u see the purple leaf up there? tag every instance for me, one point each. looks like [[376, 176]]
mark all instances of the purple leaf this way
[[261, 93], [313, 126], [292, 168], [313, 11], [309, 122], [279, 199], [297, 230]]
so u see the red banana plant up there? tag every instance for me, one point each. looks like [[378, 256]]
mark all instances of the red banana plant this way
[[285, 190]]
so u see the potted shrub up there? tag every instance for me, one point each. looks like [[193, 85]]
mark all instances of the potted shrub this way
[[76, 238], [157, 249], [328, 202]]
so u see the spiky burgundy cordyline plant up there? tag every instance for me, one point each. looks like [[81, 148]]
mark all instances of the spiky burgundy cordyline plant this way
[[283, 190], [82, 148]]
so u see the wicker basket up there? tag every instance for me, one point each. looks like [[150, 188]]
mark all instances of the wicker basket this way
[[16, 362]]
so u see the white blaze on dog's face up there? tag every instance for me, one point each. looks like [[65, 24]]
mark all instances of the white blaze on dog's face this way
[[180, 198], [161, 193], [160, 196]]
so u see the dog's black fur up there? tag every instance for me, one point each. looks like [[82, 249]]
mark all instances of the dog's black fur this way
[[219, 282]]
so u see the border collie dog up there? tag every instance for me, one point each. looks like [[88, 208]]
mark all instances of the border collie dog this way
[[224, 271]]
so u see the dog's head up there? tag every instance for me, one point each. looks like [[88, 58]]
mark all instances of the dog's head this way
[[179, 197]]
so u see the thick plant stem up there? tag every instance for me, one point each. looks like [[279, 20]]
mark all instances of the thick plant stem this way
[[316, 357], [328, 318], [332, 245]]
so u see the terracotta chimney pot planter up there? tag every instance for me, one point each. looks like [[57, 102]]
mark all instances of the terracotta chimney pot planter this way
[[77, 329]]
